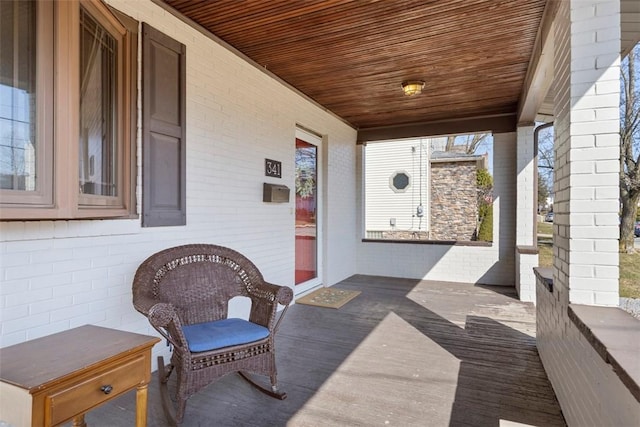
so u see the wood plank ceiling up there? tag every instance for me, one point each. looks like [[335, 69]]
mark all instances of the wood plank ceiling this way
[[351, 56]]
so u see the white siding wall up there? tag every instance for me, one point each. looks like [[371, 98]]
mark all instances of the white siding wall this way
[[489, 265], [60, 274], [383, 160]]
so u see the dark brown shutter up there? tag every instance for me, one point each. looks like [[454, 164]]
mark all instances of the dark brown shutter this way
[[163, 130]]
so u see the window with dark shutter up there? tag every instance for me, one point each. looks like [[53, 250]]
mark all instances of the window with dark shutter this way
[[67, 86], [163, 123]]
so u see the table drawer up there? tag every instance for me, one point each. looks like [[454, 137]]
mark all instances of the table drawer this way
[[81, 397]]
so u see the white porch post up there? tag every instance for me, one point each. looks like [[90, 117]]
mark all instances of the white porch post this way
[[586, 88], [526, 208], [587, 153]]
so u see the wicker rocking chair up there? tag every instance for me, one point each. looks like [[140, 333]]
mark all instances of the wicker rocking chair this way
[[184, 291]]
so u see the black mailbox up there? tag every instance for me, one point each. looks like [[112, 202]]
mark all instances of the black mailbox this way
[[275, 193]]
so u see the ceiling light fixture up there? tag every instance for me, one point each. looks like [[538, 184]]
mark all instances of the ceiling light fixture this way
[[412, 87]]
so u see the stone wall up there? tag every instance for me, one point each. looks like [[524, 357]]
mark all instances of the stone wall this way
[[454, 205], [405, 235]]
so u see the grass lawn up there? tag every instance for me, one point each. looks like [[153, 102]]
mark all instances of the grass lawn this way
[[545, 254], [630, 275], [629, 265], [545, 228]]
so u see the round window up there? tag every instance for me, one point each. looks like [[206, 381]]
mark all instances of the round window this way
[[399, 181]]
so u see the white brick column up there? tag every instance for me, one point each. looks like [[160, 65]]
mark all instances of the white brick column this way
[[585, 270], [526, 208], [586, 154]]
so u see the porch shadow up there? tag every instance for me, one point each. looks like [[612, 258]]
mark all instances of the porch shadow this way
[[403, 353], [500, 377]]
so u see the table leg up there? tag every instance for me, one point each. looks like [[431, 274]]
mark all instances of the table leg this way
[[79, 421], [141, 405]]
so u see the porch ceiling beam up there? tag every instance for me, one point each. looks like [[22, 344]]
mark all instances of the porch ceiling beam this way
[[629, 24], [540, 72], [496, 123]]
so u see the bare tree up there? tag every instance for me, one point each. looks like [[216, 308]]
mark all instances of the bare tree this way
[[546, 158], [545, 149], [543, 192], [629, 147], [467, 144]]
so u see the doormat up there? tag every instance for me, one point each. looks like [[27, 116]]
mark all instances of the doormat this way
[[328, 297]]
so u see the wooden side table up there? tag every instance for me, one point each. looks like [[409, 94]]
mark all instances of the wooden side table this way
[[60, 377]]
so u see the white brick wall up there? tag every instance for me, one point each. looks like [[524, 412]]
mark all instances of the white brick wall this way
[[586, 187], [488, 265], [526, 185], [525, 278], [589, 391], [586, 202], [586, 208], [60, 274]]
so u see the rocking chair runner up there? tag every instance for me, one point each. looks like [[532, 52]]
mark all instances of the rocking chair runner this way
[[184, 291]]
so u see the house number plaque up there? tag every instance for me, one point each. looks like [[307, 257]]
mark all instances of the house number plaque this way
[[273, 168]]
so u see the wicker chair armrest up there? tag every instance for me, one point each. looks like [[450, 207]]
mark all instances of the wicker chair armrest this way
[[164, 318], [162, 314], [266, 297], [283, 294], [142, 303]]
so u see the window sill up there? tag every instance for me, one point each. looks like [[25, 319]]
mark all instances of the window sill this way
[[432, 242], [615, 336], [54, 214], [528, 250]]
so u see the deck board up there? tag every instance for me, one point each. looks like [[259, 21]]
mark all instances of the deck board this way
[[403, 353]]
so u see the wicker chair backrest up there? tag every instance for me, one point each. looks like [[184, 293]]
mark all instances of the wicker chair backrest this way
[[198, 280]]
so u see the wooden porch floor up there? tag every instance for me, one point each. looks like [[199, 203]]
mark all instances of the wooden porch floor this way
[[403, 353]]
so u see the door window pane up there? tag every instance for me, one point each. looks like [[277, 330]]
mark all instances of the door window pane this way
[[18, 95], [98, 103], [306, 211]]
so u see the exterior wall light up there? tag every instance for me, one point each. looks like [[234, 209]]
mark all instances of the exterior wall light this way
[[413, 87]]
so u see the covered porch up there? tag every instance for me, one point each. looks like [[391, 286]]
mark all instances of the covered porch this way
[[443, 333], [403, 353]]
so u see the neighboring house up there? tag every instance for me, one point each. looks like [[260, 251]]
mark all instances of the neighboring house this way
[[413, 192], [454, 195], [397, 189]]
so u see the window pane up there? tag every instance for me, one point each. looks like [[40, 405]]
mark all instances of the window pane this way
[[429, 188], [98, 137], [306, 211], [17, 95]]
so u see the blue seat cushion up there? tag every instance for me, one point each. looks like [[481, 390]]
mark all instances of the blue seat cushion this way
[[222, 333]]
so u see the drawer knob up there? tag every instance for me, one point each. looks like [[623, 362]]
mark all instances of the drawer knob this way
[[106, 389]]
